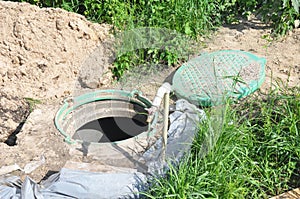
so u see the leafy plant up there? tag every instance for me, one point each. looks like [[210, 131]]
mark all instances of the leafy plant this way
[[281, 14], [153, 46], [231, 10]]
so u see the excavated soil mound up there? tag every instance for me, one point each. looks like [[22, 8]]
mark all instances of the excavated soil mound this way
[[41, 56], [41, 51]]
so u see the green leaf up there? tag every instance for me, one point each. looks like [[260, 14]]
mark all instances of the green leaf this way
[[187, 29], [296, 5]]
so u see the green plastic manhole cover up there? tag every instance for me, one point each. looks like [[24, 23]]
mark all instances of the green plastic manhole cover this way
[[211, 78]]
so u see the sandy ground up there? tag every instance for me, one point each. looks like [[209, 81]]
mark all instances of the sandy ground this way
[[283, 60], [42, 54]]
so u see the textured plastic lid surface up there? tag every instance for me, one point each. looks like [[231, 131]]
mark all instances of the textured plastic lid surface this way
[[210, 78]]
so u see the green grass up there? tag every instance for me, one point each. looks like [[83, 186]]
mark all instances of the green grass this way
[[32, 103], [256, 155]]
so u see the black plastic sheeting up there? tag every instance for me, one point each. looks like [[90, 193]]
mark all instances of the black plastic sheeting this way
[[88, 185]]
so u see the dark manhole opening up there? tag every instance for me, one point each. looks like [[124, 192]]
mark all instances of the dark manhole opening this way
[[112, 129]]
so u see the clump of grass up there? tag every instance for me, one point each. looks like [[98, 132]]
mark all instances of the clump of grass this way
[[256, 155], [32, 103]]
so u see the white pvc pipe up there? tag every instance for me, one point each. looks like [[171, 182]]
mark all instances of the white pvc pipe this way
[[166, 122], [162, 92], [165, 88]]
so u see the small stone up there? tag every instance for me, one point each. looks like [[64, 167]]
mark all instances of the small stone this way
[[22, 70], [11, 124], [15, 60], [22, 60], [297, 23], [73, 25], [59, 24], [3, 67]]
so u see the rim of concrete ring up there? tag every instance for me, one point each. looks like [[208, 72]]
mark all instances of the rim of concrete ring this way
[[71, 104]]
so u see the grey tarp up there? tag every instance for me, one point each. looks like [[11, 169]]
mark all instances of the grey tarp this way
[[184, 123], [87, 185], [74, 184]]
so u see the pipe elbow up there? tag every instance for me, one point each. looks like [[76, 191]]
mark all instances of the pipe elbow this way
[[163, 89]]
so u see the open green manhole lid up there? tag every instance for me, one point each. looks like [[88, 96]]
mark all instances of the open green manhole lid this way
[[211, 78]]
